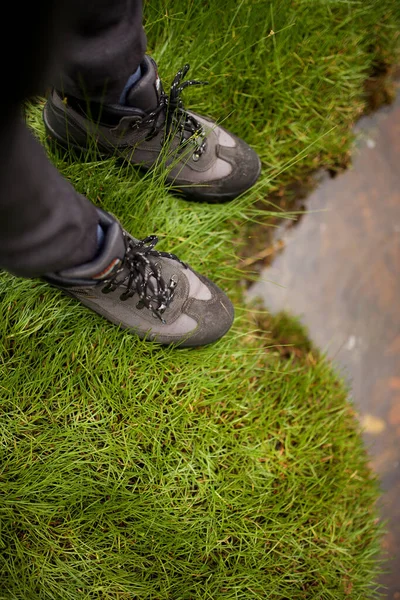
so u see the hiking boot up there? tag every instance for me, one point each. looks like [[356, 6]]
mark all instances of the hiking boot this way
[[204, 162], [153, 294]]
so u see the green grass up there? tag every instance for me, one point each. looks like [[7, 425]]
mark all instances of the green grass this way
[[287, 75], [131, 472], [235, 471]]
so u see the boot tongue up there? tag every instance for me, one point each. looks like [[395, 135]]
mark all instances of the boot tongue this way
[[145, 94], [107, 262]]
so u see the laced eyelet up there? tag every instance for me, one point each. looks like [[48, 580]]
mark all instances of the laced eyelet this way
[[140, 264], [135, 122], [178, 121]]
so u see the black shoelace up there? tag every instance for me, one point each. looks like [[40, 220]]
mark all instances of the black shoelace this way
[[177, 119], [141, 275]]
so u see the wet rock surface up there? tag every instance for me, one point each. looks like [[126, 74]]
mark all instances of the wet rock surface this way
[[339, 270]]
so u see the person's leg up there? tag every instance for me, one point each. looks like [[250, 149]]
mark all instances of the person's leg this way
[[104, 45], [45, 224], [47, 229], [89, 105]]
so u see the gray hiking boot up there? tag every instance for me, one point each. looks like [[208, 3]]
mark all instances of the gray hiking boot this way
[[153, 294], [204, 161]]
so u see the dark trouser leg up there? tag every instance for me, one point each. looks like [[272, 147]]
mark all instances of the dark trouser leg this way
[[105, 45], [44, 224]]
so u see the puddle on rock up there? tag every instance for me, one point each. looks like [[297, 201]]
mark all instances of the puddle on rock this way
[[339, 270]]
